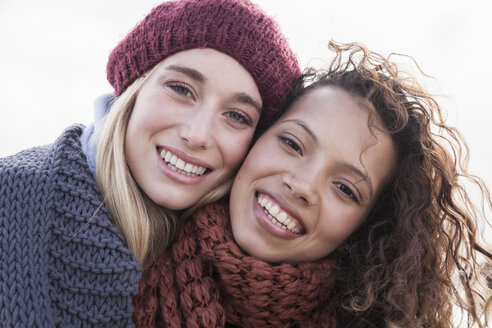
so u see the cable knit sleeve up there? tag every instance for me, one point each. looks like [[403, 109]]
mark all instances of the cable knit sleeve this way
[[62, 261], [24, 237]]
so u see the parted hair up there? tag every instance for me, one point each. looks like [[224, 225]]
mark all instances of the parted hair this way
[[416, 257]]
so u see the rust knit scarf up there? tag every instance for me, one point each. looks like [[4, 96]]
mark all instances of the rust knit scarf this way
[[205, 280]]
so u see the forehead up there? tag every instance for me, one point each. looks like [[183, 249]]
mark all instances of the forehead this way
[[331, 107], [217, 69]]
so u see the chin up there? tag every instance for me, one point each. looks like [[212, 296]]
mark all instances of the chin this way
[[251, 248], [175, 204], [269, 258]]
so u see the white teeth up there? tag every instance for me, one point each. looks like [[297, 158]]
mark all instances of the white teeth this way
[[282, 217], [180, 164], [177, 164], [277, 216], [274, 210], [168, 156]]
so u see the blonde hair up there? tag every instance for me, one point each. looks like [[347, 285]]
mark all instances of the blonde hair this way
[[147, 227]]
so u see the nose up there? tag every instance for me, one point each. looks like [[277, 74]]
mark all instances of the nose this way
[[302, 186], [197, 129]]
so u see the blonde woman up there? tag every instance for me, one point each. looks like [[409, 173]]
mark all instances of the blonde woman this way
[[192, 82]]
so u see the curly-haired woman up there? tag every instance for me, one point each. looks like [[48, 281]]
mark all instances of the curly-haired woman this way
[[350, 211]]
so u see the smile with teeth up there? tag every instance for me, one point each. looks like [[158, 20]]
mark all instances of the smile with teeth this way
[[277, 216], [177, 164]]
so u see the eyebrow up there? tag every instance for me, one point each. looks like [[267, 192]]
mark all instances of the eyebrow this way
[[248, 100], [190, 72], [305, 127], [197, 76], [362, 175], [348, 166]]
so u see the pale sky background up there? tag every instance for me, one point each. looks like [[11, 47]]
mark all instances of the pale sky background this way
[[53, 56]]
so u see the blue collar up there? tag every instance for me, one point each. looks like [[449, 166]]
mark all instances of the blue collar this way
[[90, 136]]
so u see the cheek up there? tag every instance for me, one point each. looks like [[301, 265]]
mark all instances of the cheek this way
[[138, 122], [337, 224], [154, 112], [133, 139], [234, 148]]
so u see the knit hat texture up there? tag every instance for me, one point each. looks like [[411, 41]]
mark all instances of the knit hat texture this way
[[237, 28]]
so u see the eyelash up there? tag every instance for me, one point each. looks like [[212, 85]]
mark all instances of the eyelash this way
[[291, 144], [348, 191], [243, 118], [181, 89]]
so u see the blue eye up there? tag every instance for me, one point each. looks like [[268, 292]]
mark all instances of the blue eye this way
[[291, 144], [181, 89], [238, 117]]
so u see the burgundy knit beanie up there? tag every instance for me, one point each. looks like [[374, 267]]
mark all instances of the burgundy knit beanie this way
[[237, 28]]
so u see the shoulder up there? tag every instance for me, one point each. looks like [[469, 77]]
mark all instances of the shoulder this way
[[29, 173], [32, 159], [38, 159], [62, 249], [28, 178]]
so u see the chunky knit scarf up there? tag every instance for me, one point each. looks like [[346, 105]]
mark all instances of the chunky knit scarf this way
[[205, 280]]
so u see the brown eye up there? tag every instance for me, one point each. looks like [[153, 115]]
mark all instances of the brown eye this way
[[291, 144], [347, 191]]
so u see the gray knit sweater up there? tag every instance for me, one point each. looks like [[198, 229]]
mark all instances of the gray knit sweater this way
[[62, 261]]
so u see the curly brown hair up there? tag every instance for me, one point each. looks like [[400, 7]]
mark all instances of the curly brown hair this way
[[415, 257]]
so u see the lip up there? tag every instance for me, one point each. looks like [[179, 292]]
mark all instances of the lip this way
[[179, 177], [185, 157], [268, 225]]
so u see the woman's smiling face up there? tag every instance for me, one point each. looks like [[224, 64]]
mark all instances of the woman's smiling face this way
[[191, 126], [311, 179]]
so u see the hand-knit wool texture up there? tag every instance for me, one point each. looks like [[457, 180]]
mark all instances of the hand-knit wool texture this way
[[238, 28], [205, 280], [62, 261]]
